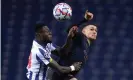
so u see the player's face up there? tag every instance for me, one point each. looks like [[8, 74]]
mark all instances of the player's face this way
[[90, 32], [46, 34]]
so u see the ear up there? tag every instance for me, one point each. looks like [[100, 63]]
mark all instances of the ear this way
[[37, 34], [83, 31]]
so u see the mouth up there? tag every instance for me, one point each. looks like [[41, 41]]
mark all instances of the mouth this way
[[94, 36], [50, 36]]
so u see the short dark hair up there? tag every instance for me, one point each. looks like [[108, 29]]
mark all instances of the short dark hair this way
[[88, 23], [39, 26], [81, 26]]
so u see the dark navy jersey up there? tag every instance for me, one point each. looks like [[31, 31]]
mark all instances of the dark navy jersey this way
[[79, 51]]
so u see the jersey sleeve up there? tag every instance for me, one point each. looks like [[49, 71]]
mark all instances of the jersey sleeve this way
[[43, 56], [53, 46]]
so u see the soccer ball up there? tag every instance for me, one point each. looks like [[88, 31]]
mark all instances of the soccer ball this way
[[62, 11]]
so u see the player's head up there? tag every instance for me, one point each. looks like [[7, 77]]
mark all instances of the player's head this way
[[90, 31], [43, 33]]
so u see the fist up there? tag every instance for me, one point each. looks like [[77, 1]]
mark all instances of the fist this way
[[88, 15], [72, 31], [77, 65]]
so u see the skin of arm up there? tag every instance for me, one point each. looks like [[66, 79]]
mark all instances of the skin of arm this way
[[63, 69]]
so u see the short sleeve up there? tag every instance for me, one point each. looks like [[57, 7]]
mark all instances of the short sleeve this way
[[43, 56], [53, 46]]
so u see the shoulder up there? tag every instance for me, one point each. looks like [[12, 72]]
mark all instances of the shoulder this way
[[78, 36], [52, 46], [36, 50]]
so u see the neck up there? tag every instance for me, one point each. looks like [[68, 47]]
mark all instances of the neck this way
[[39, 41], [89, 41]]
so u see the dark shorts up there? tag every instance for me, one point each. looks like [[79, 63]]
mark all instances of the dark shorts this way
[[52, 75], [62, 77]]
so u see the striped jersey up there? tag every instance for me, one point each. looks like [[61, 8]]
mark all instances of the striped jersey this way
[[39, 58]]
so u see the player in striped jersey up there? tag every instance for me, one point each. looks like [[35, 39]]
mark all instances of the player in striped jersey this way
[[40, 56]]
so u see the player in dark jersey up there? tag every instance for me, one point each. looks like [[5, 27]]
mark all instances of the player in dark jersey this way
[[79, 48]]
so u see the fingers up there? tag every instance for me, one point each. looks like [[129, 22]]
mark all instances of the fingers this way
[[75, 29], [77, 65], [88, 15], [91, 15], [72, 31], [79, 62]]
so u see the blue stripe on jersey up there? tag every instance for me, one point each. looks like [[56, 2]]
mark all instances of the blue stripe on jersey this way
[[42, 52], [39, 59], [37, 76], [44, 73], [30, 77]]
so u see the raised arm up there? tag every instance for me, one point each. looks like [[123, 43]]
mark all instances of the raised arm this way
[[63, 51], [87, 17]]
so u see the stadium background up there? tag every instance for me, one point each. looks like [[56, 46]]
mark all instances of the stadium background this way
[[111, 57]]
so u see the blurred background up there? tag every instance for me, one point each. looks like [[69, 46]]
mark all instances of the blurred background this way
[[111, 57]]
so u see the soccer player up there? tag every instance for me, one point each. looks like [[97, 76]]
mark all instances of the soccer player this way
[[40, 56], [79, 48]]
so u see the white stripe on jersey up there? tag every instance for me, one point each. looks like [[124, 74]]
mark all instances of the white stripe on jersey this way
[[38, 60]]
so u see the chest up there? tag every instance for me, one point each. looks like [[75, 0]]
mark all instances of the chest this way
[[45, 50], [79, 51]]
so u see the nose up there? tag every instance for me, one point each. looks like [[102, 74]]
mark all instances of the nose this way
[[95, 32]]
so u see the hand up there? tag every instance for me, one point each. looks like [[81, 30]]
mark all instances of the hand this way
[[77, 65], [72, 31], [88, 15]]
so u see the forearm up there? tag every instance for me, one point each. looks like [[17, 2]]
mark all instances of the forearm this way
[[78, 24], [66, 47], [82, 22], [64, 50], [64, 69], [53, 64]]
